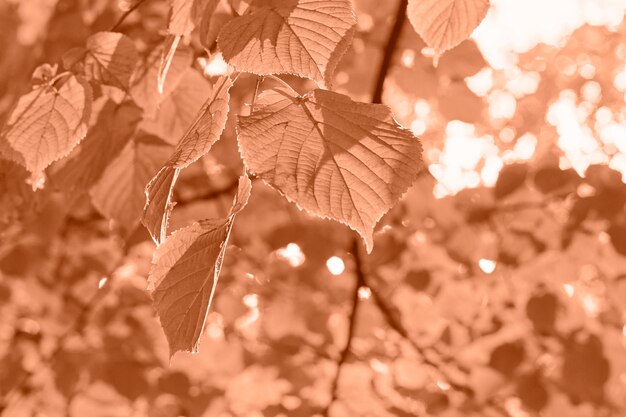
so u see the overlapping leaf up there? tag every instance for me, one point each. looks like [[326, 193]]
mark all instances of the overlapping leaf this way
[[47, 124], [110, 58], [443, 24], [302, 37], [186, 14], [197, 141], [178, 111], [332, 156], [184, 274], [144, 84], [115, 125], [119, 193]]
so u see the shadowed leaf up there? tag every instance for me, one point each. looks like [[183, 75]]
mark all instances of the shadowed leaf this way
[[110, 59]]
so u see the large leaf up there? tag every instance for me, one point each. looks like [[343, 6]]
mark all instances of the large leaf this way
[[443, 24], [197, 141], [115, 125], [187, 14], [302, 37], [184, 274], [110, 58], [119, 193], [47, 124], [334, 157]]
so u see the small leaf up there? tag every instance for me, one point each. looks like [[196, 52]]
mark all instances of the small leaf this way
[[511, 178], [115, 125], [110, 58], [119, 195], [334, 157], [47, 124], [184, 274], [144, 84], [197, 141], [178, 111], [443, 24], [301, 37]]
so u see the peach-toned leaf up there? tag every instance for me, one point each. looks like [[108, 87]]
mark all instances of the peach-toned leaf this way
[[110, 58], [47, 124], [301, 37], [184, 274], [443, 24], [119, 194], [144, 84], [187, 14], [200, 136], [334, 157], [178, 111], [115, 125]]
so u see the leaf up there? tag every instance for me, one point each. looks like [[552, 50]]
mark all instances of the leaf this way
[[184, 274], [443, 24], [334, 157], [301, 37], [144, 84], [115, 125], [110, 58], [511, 178], [187, 14], [119, 193], [179, 109], [197, 141], [47, 124]]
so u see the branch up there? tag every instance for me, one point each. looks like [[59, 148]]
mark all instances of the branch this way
[[390, 49], [126, 14], [360, 282]]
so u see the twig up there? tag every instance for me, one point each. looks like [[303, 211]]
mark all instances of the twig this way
[[360, 282], [390, 49], [126, 14]]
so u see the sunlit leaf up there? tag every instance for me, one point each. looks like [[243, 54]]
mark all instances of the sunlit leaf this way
[[47, 123], [197, 141], [301, 37], [110, 59], [334, 157], [184, 274], [443, 24]]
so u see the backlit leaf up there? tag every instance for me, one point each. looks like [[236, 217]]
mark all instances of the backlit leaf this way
[[119, 195], [110, 59], [443, 24], [334, 157], [47, 124], [301, 37], [187, 14], [197, 141], [184, 274]]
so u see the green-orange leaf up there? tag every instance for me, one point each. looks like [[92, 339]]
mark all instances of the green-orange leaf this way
[[47, 124], [184, 274], [301, 37], [443, 24], [334, 157], [200, 136]]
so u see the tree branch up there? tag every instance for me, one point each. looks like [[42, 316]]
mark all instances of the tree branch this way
[[360, 282], [390, 49]]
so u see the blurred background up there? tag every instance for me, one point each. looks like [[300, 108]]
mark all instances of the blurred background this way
[[497, 287]]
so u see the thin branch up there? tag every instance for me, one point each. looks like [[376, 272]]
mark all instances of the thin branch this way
[[345, 354], [126, 14], [390, 49]]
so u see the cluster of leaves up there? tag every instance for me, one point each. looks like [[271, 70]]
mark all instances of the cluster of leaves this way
[[428, 329]]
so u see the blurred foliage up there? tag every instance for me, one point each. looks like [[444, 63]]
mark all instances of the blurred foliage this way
[[504, 299]]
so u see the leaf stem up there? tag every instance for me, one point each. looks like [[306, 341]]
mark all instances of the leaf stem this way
[[390, 49]]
